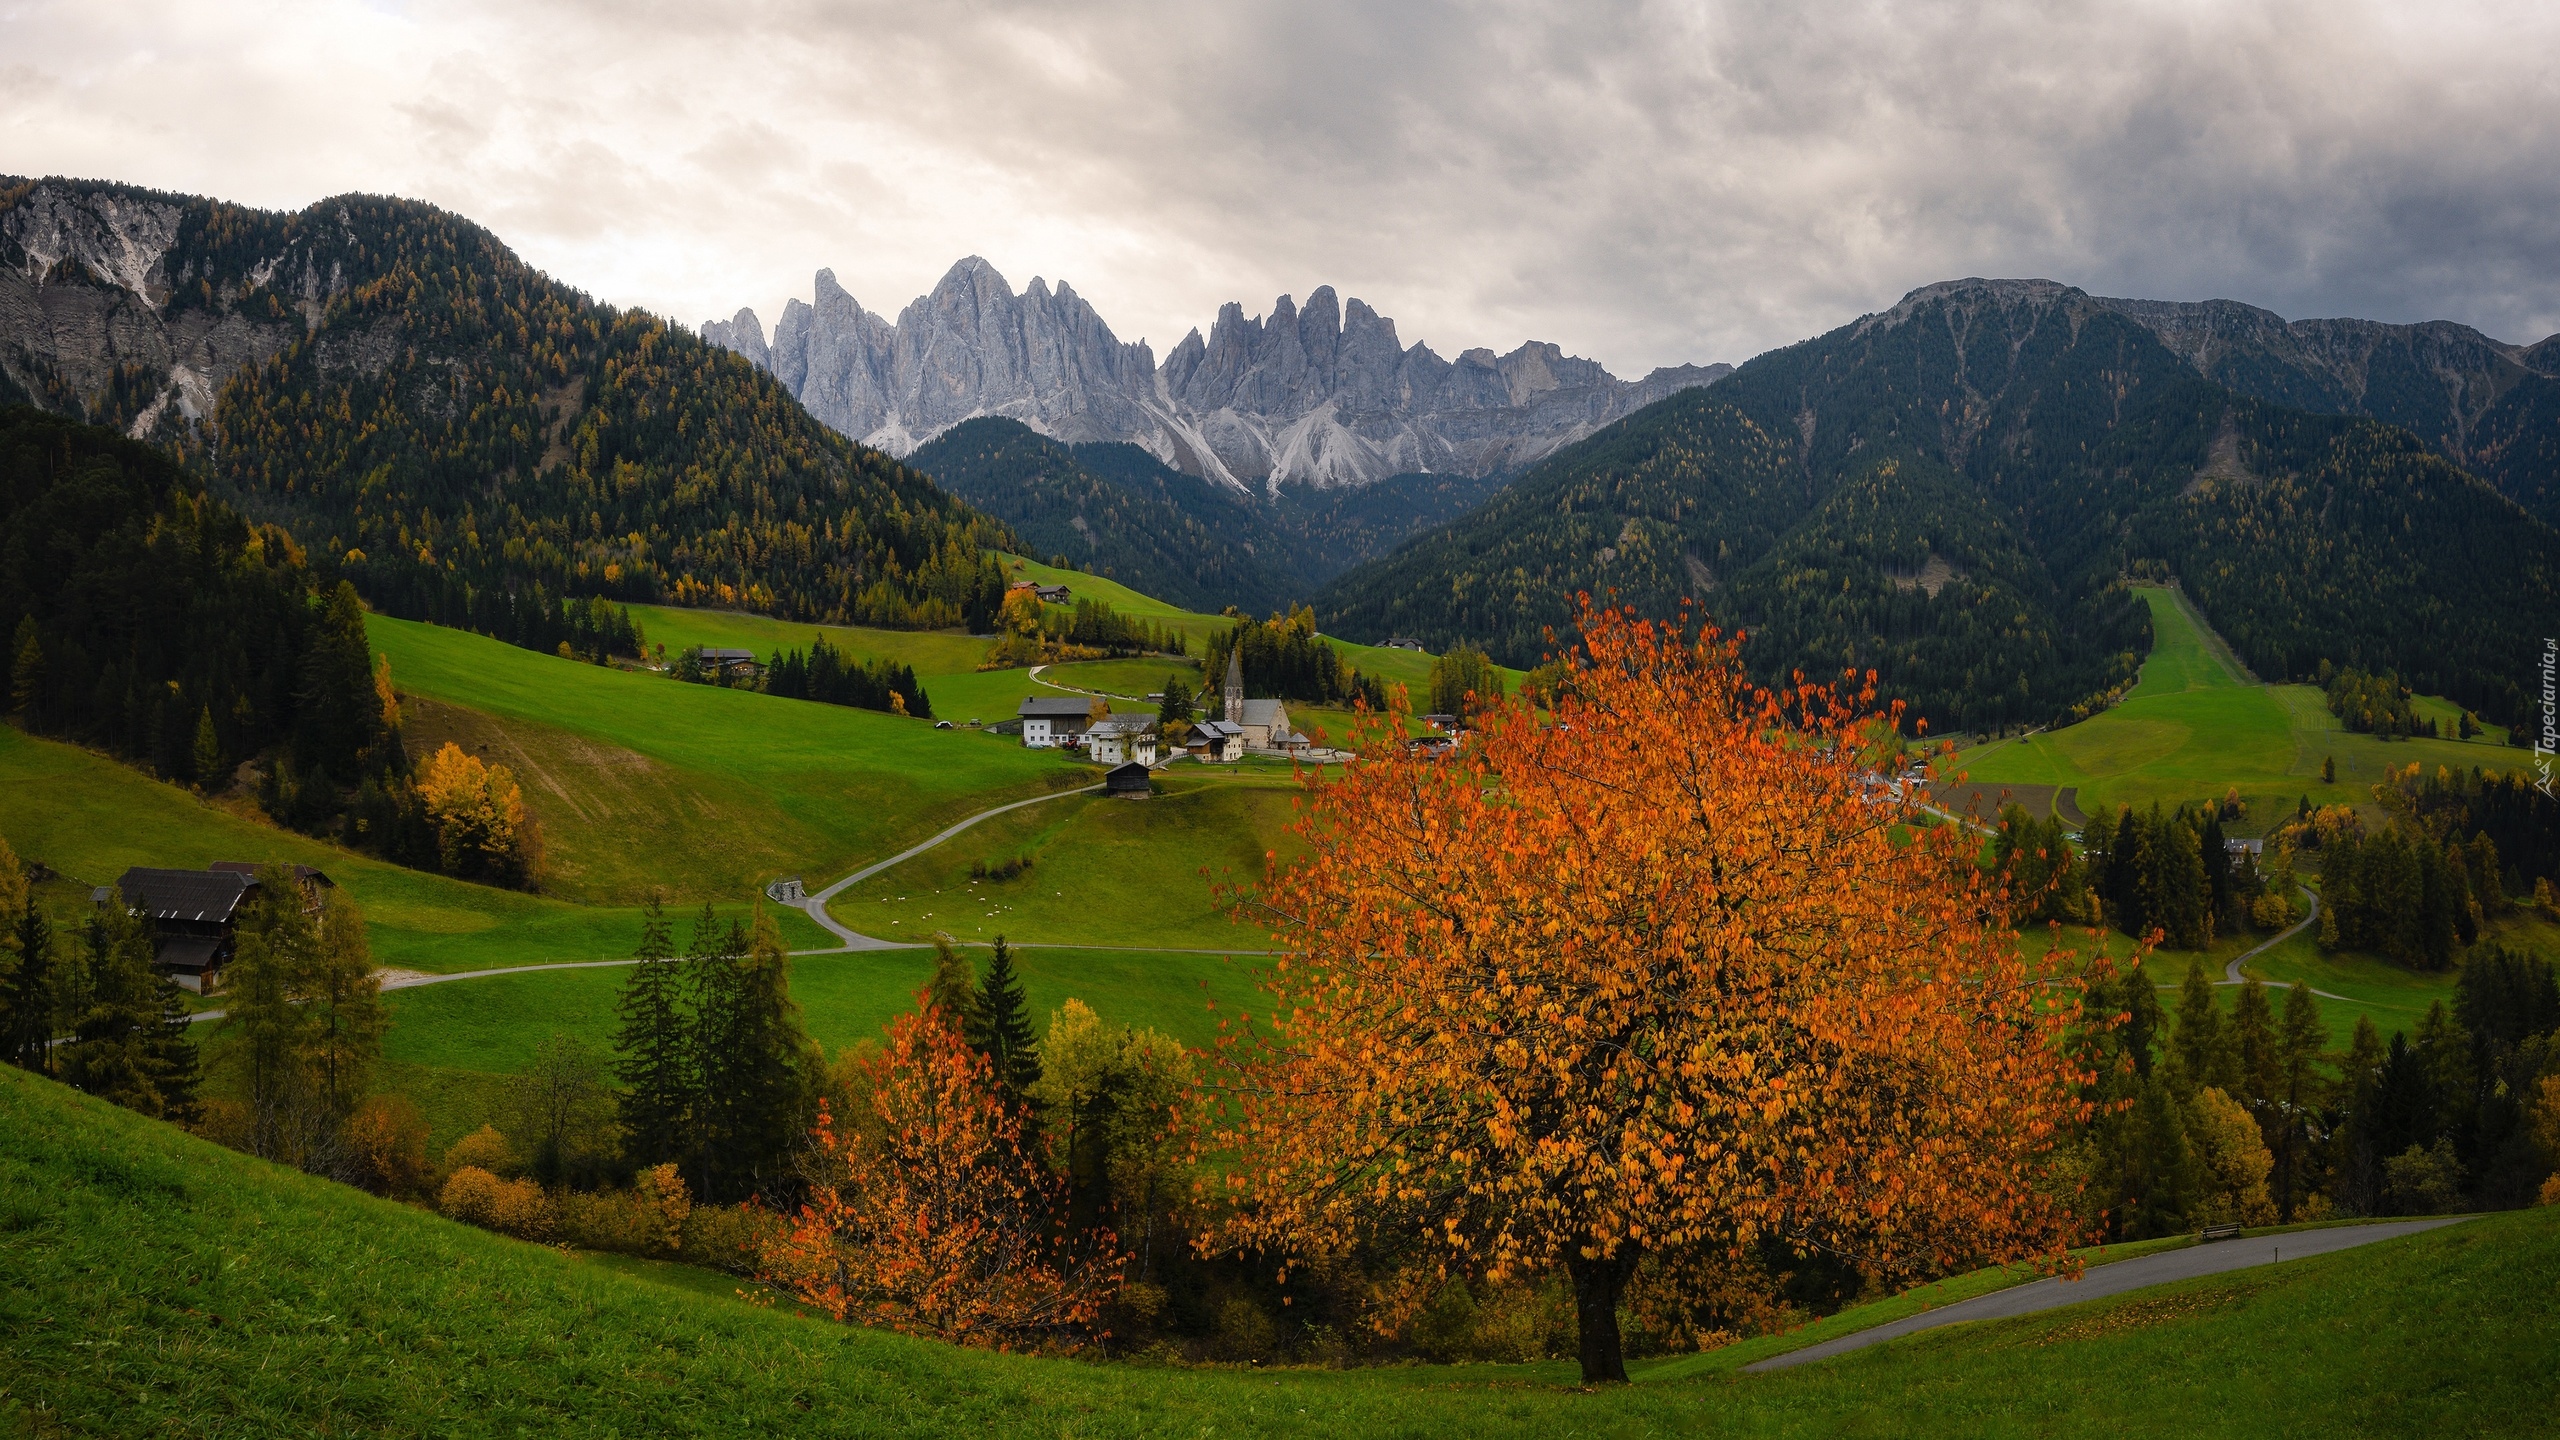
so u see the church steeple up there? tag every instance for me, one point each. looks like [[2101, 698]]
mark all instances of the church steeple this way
[[1234, 698]]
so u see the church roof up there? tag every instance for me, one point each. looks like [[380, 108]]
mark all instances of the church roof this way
[[1266, 712]]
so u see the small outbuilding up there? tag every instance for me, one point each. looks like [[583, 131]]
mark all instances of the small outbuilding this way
[[1129, 782]]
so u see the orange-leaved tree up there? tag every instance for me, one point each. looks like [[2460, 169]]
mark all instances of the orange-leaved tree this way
[[1657, 972], [930, 1212]]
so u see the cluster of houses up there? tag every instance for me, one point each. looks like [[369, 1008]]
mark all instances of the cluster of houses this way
[[1076, 722], [195, 914]]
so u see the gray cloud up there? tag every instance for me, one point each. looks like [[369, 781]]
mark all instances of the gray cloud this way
[[1643, 183]]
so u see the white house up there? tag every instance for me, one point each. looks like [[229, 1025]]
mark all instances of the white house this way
[[1121, 740], [1050, 723], [1215, 742]]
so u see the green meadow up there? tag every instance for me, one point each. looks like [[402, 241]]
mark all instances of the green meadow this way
[[2193, 728], [161, 1285], [643, 782]]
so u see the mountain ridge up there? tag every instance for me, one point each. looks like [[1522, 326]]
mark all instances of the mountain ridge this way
[[1322, 393]]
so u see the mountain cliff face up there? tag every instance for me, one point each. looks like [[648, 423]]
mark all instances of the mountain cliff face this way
[[1951, 492], [1322, 395]]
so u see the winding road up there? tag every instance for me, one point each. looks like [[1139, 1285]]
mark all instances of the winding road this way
[[2100, 1281]]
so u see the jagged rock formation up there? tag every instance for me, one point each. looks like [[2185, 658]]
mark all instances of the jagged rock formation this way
[[1323, 394]]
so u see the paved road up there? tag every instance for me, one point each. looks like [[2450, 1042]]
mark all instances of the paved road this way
[[2100, 1281], [816, 905]]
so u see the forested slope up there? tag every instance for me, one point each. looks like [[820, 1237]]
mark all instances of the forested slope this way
[[1950, 493], [421, 406]]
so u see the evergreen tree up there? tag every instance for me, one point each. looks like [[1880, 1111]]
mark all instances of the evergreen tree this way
[[27, 1001], [274, 947], [2257, 1056], [26, 674], [1001, 1028], [2162, 1180], [2202, 1044], [124, 1046], [341, 714], [2356, 1175], [2298, 1095], [341, 1003], [655, 1062], [953, 990], [754, 1065], [1177, 703], [206, 758]]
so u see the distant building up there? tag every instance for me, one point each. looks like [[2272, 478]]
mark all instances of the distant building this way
[[1446, 724], [730, 664], [1403, 642], [1265, 723], [1054, 594], [1215, 742], [1120, 739], [1129, 782], [195, 914], [1052, 723]]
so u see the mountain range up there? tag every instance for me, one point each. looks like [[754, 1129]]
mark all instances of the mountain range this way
[[1321, 395], [1951, 493]]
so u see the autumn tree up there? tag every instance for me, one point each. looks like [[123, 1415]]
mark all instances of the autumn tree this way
[[930, 1212], [1464, 682], [1655, 978], [483, 831]]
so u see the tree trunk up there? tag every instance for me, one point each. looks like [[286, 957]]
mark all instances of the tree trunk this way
[[1596, 1287]]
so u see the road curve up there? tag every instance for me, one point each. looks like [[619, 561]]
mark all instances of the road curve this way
[[815, 906], [2100, 1281]]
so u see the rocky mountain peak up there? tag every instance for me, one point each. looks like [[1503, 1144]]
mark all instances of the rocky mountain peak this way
[[1320, 392]]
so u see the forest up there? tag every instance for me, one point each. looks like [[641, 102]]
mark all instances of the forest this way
[[1285, 659]]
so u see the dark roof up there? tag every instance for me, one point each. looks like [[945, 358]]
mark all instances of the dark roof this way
[[191, 953], [194, 895], [728, 657], [304, 873], [1132, 776], [1043, 707]]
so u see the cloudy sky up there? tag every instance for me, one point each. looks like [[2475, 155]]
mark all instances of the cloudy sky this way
[[1642, 183]]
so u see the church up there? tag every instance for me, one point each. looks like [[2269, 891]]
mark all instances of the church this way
[[1265, 722]]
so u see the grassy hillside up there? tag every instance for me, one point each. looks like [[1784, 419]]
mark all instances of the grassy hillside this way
[[642, 781], [90, 818], [163, 1286], [2193, 728]]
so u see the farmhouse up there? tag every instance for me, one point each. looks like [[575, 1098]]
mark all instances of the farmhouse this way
[[1403, 642], [1215, 742], [1053, 722], [1120, 739], [730, 664], [195, 914]]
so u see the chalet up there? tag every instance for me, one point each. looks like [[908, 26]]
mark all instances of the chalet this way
[[1445, 724], [730, 664], [1215, 742], [1432, 747], [1120, 739], [1403, 642], [1050, 723], [195, 914], [1128, 782]]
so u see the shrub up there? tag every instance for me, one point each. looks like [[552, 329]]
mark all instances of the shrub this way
[[521, 1209], [386, 1146], [482, 1149], [734, 1238], [470, 1195], [647, 1219]]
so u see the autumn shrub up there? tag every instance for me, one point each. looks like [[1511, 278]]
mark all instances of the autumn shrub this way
[[223, 1121], [2233, 1159], [482, 1149], [520, 1208], [647, 1219], [735, 1238], [385, 1142], [470, 1195]]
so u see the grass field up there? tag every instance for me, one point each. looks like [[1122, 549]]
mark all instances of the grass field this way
[[91, 818], [2192, 729], [160, 1285], [642, 781], [1105, 872]]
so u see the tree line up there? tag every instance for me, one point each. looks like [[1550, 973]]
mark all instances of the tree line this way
[[1285, 659], [830, 676]]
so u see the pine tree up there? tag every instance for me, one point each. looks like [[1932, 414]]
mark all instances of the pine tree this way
[[121, 1048], [655, 1064], [953, 990], [26, 673], [2299, 1091], [207, 755], [1177, 703], [341, 1002], [341, 713], [2257, 1057], [2202, 1044], [755, 1066], [1001, 1029], [27, 996], [274, 947], [2357, 1171]]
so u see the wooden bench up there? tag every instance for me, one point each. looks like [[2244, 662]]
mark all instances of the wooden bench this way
[[2211, 1233]]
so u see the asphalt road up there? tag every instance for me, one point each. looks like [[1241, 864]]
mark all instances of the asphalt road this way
[[2100, 1281]]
